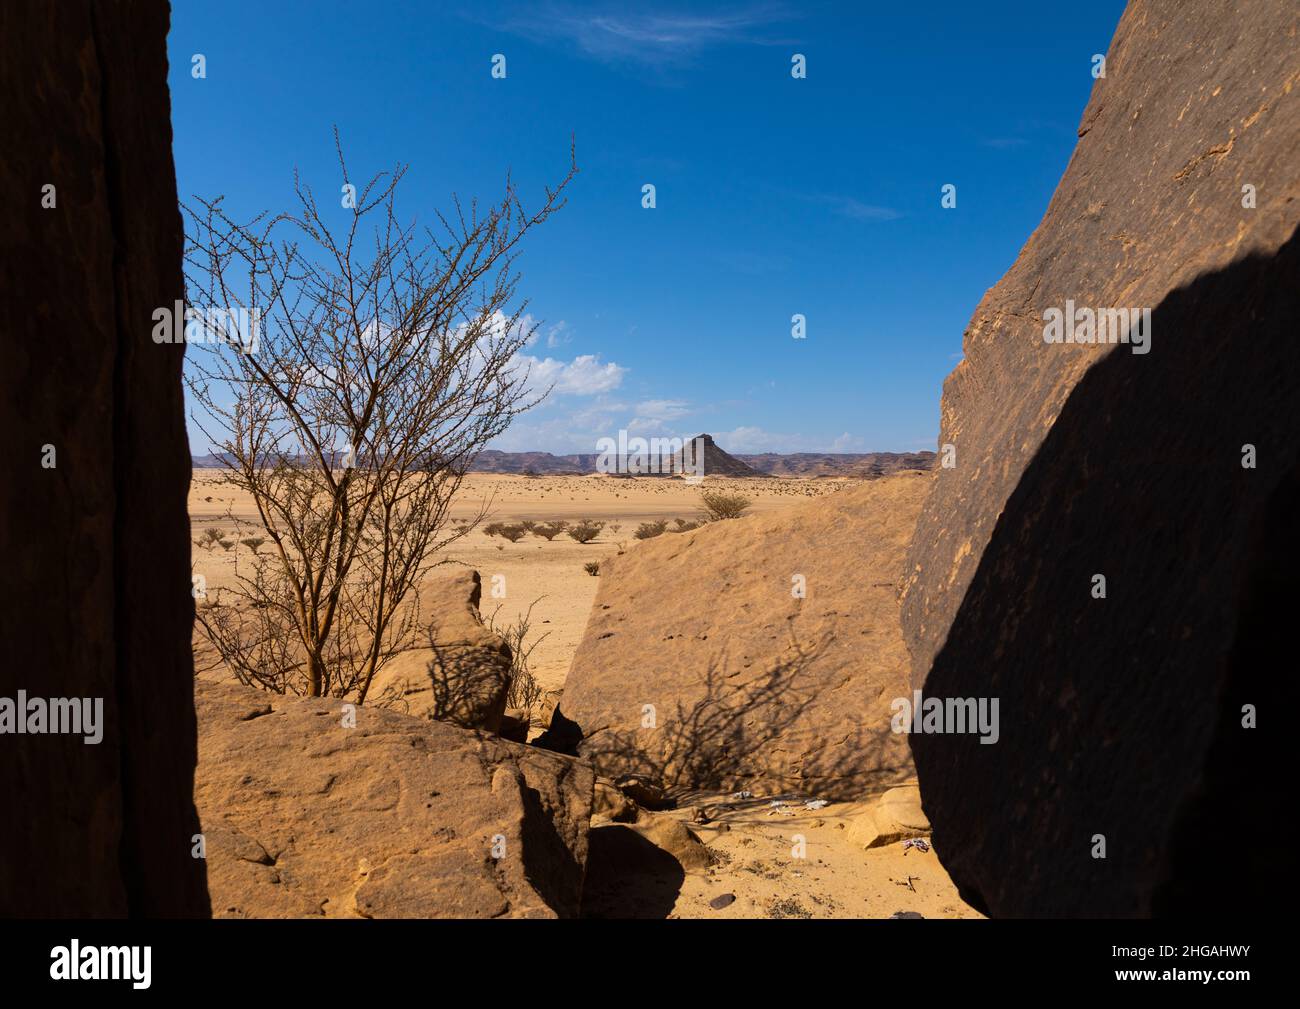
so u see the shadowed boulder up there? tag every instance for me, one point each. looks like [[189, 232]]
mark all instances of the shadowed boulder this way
[[1122, 717], [95, 598]]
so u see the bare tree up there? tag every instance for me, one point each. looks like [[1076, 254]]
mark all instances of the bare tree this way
[[350, 375]]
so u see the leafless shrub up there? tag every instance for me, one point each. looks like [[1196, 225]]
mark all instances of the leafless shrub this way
[[592, 568], [549, 530], [384, 362], [525, 692], [649, 530], [513, 533], [685, 526]]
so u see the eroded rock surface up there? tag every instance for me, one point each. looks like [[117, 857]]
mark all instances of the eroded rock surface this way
[[95, 598], [762, 652], [399, 817], [1121, 717]]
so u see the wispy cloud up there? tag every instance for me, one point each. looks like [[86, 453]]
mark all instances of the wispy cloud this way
[[856, 210], [613, 34]]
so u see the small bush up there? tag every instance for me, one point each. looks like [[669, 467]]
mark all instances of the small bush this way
[[253, 542], [524, 692], [586, 530], [493, 528], [685, 526], [649, 530], [721, 505], [210, 538], [592, 568], [528, 525], [549, 530], [514, 533]]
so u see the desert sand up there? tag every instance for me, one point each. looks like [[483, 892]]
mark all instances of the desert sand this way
[[748, 848], [549, 576]]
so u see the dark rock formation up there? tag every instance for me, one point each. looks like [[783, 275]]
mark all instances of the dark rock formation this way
[[95, 599], [1122, 716]]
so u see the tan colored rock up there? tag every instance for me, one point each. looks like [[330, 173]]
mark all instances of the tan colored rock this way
[[463, 677], [397, 817], [612, 803], [895, 816], [674, 837], [751, 685]]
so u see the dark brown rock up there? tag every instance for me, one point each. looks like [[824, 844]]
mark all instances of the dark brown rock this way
[[396, 817], [95, 600], [1121, 716]]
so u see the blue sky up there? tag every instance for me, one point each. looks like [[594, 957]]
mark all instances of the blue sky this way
[[775, 196]]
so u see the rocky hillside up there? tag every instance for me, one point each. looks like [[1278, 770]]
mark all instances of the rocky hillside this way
[[1108, 554]]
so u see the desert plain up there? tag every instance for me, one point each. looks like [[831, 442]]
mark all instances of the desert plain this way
[[742, 856]]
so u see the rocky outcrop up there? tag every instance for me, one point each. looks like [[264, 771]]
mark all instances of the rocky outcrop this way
[[394, 817], [95, 600], [463, 676], [760, 653], [1165, 473]]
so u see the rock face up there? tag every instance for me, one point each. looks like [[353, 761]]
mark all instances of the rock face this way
[[700, 666], [95, 599], [463, 677], [398, 817], [1121, 717]]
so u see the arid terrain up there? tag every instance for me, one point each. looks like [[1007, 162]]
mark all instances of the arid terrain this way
[[549, 576], [738, 846]]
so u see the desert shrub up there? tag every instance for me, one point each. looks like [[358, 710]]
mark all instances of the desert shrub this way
[[586, 530], [514, 533], [649, 530], [528, 525], [592, 568], [210, 538], [721, 505], [685, 526], [549, 530], [253, 542], [525, 692], [493, 528]]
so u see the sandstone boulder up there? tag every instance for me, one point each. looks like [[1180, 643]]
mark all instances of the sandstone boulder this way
[[1172, 474], [762, 652], [397, 817], [895, 816], [463, 676]]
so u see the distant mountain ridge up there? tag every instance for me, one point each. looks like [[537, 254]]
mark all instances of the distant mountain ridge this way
[[717, 462]]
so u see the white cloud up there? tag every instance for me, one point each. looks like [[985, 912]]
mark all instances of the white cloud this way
[[585, 375], [656, 412]]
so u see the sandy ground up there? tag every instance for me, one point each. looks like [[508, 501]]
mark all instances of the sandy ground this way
[[752, 850], [549, 576], [757, 859]]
